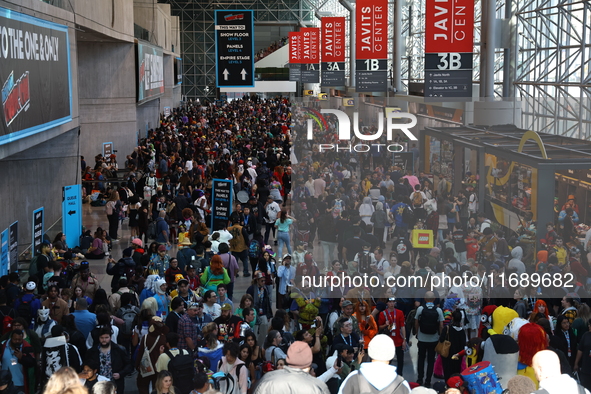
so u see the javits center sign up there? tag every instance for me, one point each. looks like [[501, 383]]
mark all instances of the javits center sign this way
[[34, 75]]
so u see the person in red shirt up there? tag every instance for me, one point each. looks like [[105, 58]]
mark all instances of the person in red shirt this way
[[393, 321], [471, 246]]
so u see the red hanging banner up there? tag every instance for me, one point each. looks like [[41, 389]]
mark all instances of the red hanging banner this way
[[371, 38], [333, 39], [449, 26], [295, 47], [310, 45]]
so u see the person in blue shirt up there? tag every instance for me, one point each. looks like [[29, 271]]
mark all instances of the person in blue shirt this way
[[85, 320], [396, 213]]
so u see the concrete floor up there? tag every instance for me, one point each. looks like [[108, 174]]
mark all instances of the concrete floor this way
[[94, 217]]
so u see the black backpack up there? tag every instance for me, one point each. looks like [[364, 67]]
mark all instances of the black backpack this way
[[182, 368], [24, 310], [407, 216], [429, 320], [364, 265]]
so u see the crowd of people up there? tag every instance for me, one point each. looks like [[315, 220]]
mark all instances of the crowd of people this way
[[261, 53], [173, 316]]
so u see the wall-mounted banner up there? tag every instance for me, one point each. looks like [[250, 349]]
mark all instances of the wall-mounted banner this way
[[150, 63], [35, 75], [333, 51], [371, 46], [107, 149], [234, 48], [38, 229], [449, 43], [178, 71], [310, 57], [13, 248]]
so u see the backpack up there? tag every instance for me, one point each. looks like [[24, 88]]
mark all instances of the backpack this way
[[417, 199], [363, 386], [33, 267], [364, 263], [129, 315], [407, 216], [152, 229], [6, 323], [220, 376], [429, 321], [254, 249], [24, 310], [182, 368]]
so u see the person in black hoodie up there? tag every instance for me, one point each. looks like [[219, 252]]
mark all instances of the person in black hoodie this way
[[125, 267]]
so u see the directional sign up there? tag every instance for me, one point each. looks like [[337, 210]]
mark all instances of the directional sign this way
[[107, 149], [38, 229], [222, 203], [449, 43], [371, 46], [234, 48], [13, 246], [4, 248], [333, 51], [295, 72], [72, 214]]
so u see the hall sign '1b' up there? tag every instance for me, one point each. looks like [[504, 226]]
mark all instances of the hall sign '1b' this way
[[234, 48], [371, 46], [449, 43]]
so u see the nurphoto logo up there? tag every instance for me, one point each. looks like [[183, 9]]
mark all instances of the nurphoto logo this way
[[344, 132]]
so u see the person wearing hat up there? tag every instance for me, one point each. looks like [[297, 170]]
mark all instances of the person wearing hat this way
[[87, 281], [258, 211], [30, 299], [378, 373], [228, 325], [295, 378], [347, 308], [184, 292], [159, 262], [123, 268]]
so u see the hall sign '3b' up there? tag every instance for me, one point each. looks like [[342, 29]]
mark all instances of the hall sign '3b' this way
[[449, 43]]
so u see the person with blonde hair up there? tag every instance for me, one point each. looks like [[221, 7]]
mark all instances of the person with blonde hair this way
[[62, 379], [106, 387], [164, 383]]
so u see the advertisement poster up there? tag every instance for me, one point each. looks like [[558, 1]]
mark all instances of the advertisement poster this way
[[150, 63], [35, 75]]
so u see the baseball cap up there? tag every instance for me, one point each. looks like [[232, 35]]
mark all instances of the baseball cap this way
[[260, 275], [226, 307], [286, 256], [346, 303], [31, 286], [138, 242], [574, 250], [162, 248], [190, 267]]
